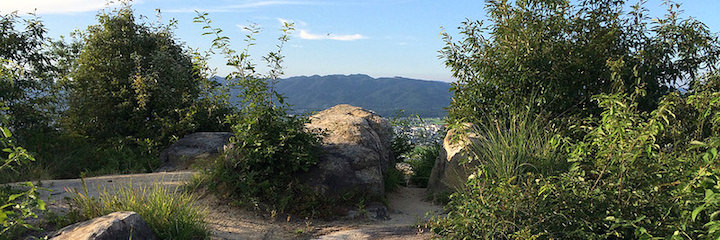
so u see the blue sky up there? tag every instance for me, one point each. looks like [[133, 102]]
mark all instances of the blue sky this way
[[381, 38]]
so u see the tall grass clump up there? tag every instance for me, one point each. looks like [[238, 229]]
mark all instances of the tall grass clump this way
[[422, 159], [513, 155], [172, 214], [514, 143]]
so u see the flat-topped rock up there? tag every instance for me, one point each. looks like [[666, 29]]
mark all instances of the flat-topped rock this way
[[200, 145]]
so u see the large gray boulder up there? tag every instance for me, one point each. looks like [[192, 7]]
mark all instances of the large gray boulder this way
[[114, 226], [449, 173], [200, 145], [356, 152]]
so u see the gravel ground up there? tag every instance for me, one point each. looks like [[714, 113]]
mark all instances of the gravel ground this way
[[407, 209]]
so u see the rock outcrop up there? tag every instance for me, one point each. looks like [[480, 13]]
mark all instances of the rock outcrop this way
[[448, 174], [114, 226], [356, 152], [200, 145]]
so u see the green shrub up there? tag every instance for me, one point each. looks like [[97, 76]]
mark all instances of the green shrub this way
[[171, 214], [519, 142], [504, 197], [270, 146], [422, 159], [623, 182], [393, 179], [16, 206], [59, 156]]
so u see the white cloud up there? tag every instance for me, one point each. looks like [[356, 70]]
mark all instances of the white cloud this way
[[235, 7], [296, 22], [283, 21], [51, 6], [245, 28], [309, 36]]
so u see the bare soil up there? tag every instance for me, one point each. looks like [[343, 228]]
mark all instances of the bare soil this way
[[408, 211]]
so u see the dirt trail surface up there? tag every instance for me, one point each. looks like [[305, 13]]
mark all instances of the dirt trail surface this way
[[407, 208]]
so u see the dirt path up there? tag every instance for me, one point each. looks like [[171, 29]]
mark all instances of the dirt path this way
[[407, 208]]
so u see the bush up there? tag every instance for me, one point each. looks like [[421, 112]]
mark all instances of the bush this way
[[60, 156], [623, 181], [503, 198], [422, 159], [270, 147], [171, 214], [16, 206]]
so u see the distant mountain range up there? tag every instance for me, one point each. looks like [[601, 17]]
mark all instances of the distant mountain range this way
[[383, 95]]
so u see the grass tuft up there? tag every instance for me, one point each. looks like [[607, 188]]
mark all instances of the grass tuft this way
[[172, 214]]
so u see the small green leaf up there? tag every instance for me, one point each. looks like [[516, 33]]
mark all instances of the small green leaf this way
[[6, 132], [41, 204], [697, 211], [14, 196]]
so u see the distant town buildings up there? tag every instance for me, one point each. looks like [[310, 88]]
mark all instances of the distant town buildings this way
[[422, 133]]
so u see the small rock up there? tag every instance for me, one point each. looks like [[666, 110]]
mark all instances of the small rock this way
[[377, 211], [200, 145], [114, 226]]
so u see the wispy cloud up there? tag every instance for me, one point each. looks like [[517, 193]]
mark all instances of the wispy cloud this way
[[283, 21], [51, 6], [236, 7], [304, 34], [247, 28], [297, 23]]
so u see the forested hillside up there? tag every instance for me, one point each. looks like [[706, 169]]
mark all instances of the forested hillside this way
[[383, 95]]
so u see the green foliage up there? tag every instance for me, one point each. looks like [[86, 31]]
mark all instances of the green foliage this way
[[516, 143], [132, 80], [420, 155], [504, 196], [393, 179], [27, 85], [625, 179], [105, 102], [171, 214], [422, 159], [270, 147], [15, 206], [551, 55]]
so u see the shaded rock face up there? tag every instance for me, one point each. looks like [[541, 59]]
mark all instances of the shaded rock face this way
[[356, 152], [114, 226], [448, 174], [181, 154]]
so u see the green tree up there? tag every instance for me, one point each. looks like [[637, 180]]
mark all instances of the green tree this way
[[132, 80], [552, 54], [28, 91]]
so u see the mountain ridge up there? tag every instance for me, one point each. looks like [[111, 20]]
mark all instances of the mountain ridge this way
[[384, 95]]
